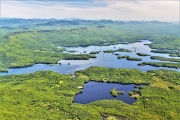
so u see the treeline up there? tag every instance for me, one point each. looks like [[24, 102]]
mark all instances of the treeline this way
[[117, 75], [142, 54], [129, 58], [165, 59], [118, 50], [165, 43], [173, 53], [161, 64], [94, 52], [78, 57]]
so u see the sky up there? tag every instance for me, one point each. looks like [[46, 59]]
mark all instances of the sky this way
[[161, 10]]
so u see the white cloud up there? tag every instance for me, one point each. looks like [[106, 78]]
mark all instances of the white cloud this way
[[104, 9]]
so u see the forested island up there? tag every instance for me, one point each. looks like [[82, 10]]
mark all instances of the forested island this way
[[118, 50], [129, 58], [165, 59], [142, 54], [115, 93]]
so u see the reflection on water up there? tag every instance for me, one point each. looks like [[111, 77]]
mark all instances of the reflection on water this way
[[103, 59]]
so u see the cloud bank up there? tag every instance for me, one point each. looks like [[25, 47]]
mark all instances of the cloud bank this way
[[93, 9]]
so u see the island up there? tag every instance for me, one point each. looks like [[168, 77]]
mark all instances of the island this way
[[142, 54], [115, 93], [118, 50], [129, 58]]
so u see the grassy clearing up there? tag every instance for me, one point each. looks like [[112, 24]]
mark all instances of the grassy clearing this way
[[163, 84]]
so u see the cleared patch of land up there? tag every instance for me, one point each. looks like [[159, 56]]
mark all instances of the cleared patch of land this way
[[163, 84]]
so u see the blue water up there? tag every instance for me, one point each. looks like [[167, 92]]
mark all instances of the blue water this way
[[94, 91], [103, 59]]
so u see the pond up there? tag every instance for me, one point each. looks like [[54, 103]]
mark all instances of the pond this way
[[94, 91], [103, 59]]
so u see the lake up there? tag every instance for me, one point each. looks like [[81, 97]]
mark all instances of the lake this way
[[94, 91], [103, 59]]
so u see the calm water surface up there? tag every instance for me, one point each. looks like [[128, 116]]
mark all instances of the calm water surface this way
[[103, 59], [94, 91], [97, 90]]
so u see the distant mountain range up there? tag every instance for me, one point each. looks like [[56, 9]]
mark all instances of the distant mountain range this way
[[10, 22]]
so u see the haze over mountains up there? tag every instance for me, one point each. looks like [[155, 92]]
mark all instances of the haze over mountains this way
[[161, 10], [8, 22]]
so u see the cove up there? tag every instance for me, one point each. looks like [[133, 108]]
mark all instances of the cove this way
[[94, 91]]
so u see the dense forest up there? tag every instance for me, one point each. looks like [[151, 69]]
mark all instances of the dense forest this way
[[49, 95], [38, 39]]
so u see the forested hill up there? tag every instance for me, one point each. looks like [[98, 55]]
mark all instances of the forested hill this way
[[37, 39], [49, 95]]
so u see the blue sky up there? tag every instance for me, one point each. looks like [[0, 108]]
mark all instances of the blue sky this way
[[162, 10]]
